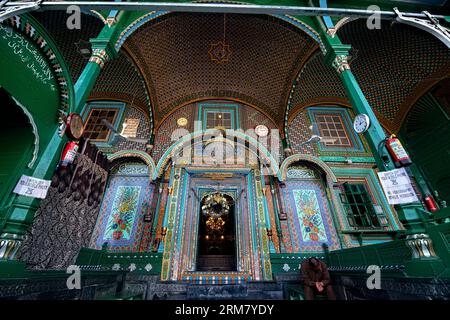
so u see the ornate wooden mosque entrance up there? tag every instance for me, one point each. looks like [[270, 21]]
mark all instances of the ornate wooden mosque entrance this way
[[216, 217]]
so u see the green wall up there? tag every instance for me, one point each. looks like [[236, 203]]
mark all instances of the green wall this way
[[34, 74], [27, 76], [426, 135]]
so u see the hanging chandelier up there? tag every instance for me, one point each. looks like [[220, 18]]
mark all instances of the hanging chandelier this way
[[215, 205], [215, 224]]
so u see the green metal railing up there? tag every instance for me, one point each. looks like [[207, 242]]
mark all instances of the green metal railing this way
[[396, 256], [148, 263]]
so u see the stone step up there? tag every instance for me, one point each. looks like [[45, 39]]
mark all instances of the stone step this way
[[152, 288]]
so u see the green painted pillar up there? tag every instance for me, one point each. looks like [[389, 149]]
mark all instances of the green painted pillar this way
[[159, 185], [267, 215], [412, 216], [337, 56], [102, 51], [20, 213]]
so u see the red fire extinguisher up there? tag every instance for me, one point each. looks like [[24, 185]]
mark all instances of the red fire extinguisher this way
[[430, 204], [397, 152], [68, 155]]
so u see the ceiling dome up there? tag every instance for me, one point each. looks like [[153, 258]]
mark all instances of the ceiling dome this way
[[266, 54]]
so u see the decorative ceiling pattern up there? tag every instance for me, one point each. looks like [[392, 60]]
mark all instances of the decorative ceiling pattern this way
[[169, 57], [266, 54], [67, 40], [394, 65], [317, 83], [121, 80]]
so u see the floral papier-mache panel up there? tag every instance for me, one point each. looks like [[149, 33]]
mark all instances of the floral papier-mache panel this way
[[309, 215], [123, 213], [309, 223], [120, 223]]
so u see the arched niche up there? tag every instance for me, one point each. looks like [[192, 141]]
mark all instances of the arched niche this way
[[19, 142], [330, 176], [311, 167], [130, 155], [189, 142]]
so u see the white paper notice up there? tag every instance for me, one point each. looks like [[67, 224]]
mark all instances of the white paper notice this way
[[397, 186], [130, 127], [32, 187]]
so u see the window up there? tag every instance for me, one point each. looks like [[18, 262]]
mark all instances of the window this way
[[358, 204], [94, 129], [218, 114], [218, 119], [335, 126], [332, 130]]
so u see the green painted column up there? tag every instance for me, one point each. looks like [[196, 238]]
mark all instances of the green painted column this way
[[102, 51], [21, 212], [337, 56], [266, 215], [160, 185], [412, 216]]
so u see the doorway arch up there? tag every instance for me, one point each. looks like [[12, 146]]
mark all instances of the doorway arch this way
[[18, 139]]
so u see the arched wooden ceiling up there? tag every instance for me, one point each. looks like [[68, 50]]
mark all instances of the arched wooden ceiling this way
[[395, 66], [266, 55]]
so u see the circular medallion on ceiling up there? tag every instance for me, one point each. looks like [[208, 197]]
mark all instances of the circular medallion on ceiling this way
[[182, 122]]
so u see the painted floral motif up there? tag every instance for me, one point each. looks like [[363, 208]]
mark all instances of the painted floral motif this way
[[121, 220], [309, 216]]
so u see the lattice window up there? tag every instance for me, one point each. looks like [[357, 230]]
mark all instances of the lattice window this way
[[218, 119], [332, 129], [94, 129], [359, 207]]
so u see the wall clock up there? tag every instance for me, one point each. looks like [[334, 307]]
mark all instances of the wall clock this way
[[361, 123], [261, 130], [75, 126]]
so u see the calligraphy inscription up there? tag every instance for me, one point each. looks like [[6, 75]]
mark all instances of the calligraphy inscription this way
[[29, 55]]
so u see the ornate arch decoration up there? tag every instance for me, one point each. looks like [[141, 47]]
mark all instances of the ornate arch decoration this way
[[31, 30], [126, 94], [330, 180], [137, 154], [143, 20], [290, 105], [303, 157], [177, 146], [34, 129], [136, 24]]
